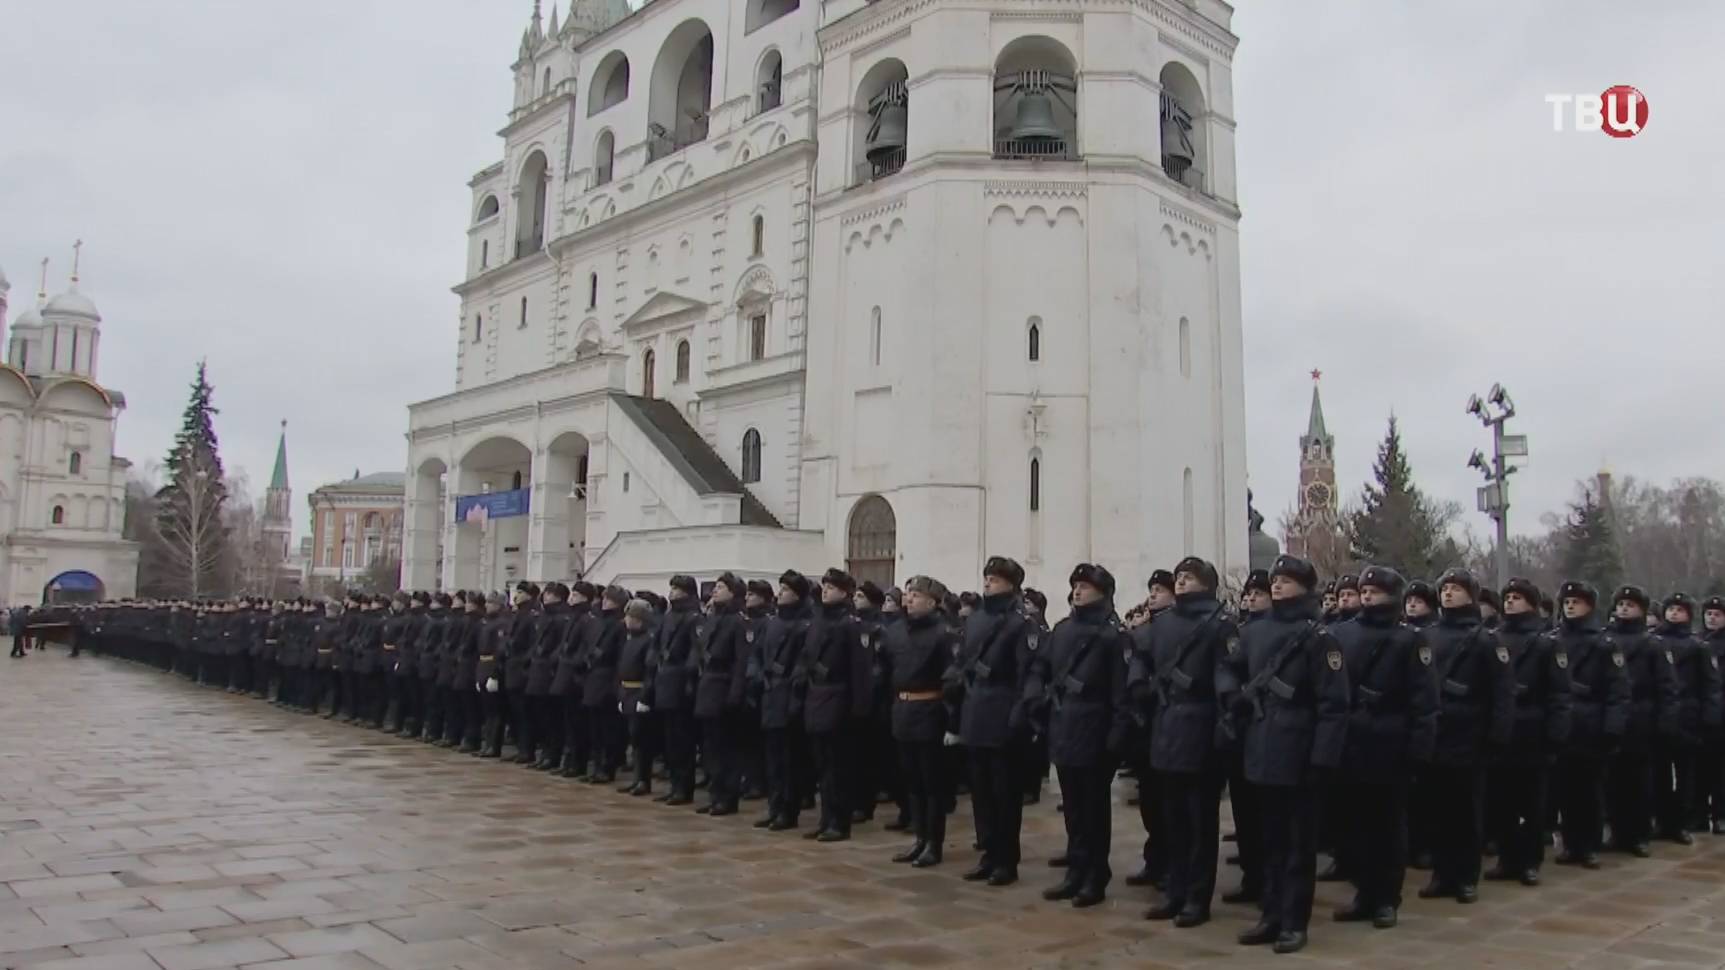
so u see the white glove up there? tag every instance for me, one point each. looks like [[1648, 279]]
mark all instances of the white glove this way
[[619, 707], [950, 739], [491, 685], [641, 708]]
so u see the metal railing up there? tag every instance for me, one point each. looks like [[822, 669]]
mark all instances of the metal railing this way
[[662, 143], [881, 166], [1034, 148]]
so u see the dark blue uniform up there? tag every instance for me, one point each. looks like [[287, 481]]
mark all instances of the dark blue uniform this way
[[1599, 717], [1519, 779], [1652, 725], [1698, 716], [915, 656], [778, 644], [985, 690]]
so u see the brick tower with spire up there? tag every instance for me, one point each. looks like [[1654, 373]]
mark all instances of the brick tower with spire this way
[[1314, 530], [277, 523]]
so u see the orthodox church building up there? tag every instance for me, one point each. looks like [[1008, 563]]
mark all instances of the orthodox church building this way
[[62, 488], [893, 285]]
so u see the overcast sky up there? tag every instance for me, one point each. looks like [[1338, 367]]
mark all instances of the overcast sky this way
[[281, 188]]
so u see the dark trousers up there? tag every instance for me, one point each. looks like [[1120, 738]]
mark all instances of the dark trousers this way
[[577, 736], [1248, 827], [522, 724], [431, 710], [263, 671], [644, 738], [923, 767], [1516, 799], [1150, 805], [17, 644], [471, 705], [751, 756], [1035, 766], [605, 727], [546, 713], [832, 757], [1453, 797], [1630, 781], [784, 794], [1371, 825], [724, 767], [1420, 818], [1581, 796], [680, 737], [997, 802], [1084, 790], [491, 707], [1674, 788], [1290, 827], [1191, 806], [1710, 783]]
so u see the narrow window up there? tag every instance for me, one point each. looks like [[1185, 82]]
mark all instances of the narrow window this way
[[484, 253], [682, 362], [758, 337], [547, 88], [1035, 484], [592, 290], [75, 464], [760, 235], [647, 361], [58, 516], [751, 456], [1034, 339], [1185, 347], [581, 473], [874, 338], [478, 327], [625, 483], [515, 481]]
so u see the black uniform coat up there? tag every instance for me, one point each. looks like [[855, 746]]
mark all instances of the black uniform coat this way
[[1698, 688], [1079, 680], [722, 643], [985, 686], [1543, 694], [1392, 725], [1476, 687], [674, 672], [1177, 677], [518, 652], [1291, 712], [916, 656], [604, 650], [461, 652], [835, 666], [566, 676], [433, 633], [1598, 684], [777, 648], [549, 632], [490, 638], [393, 633], [325, 634], [1652, 684]]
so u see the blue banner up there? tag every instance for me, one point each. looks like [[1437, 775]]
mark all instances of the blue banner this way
[[491, 505]]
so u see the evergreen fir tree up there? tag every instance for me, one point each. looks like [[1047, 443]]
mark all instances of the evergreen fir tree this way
[[189, 507], [1590, 548], [1395, 524]]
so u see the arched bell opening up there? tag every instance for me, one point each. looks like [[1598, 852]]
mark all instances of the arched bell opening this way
[[1035, 100], [882, 112], [1181, 118]]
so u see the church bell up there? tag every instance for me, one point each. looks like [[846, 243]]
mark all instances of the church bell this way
[[1035, 121], [888, 135]]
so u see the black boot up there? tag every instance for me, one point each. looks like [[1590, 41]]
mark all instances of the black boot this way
[[1066, 889], [1260, 934]]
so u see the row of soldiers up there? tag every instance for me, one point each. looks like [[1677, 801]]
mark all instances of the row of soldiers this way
[[1405, 714]]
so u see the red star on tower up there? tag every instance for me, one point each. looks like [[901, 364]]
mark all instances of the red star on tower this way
[[1316, 374]]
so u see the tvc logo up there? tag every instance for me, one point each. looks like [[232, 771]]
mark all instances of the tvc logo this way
[[1621, 111]]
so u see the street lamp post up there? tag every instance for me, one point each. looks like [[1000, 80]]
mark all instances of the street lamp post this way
[[1492, 411]]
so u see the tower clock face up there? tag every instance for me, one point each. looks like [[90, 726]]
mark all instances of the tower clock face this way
[[1318, 493]]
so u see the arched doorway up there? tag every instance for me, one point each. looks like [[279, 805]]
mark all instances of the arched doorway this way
[[427, 518], [562, 514], [871, 549], [73, 586], [491, 516]]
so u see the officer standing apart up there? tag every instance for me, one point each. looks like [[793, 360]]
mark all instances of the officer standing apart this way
[[1291, 715], [985, 689], [1080, 680], [1181, 672]]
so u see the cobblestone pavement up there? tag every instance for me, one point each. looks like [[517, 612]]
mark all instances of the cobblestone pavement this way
[[146, 823]]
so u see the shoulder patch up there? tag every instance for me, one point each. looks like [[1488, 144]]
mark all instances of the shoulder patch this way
[[749, 635], [867, 641], [1425, 655], [1562, 660], [1502, 654], [1617, 657], [700, 630], [1233, 646], [1334, 659], [1714, 661], [1031, 640], [1669, 658]]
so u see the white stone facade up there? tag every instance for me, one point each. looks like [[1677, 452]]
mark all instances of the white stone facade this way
[[1028, 346], [62, 488]]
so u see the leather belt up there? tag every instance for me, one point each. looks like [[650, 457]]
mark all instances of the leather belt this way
[[632, 684], [920, 695], [487, 656], [390, 647]]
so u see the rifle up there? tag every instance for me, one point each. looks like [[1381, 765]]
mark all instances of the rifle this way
[[1253, 692]]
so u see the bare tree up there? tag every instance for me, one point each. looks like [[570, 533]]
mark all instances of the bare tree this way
[[192, 528]]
